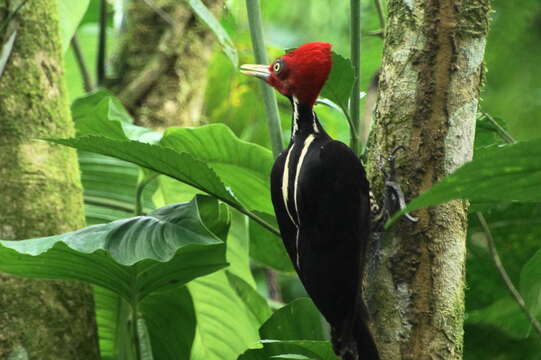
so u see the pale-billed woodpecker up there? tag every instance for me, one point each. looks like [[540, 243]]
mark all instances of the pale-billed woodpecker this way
[[321, 199]]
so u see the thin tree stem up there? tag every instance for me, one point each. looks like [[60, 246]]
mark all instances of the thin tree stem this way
[[501, 131], [275, 293], [135, 332], [10, 16], [102, 43], [83, 68], [381, 16], [269, 98], [139, 193], [354, 105], [503, 274]]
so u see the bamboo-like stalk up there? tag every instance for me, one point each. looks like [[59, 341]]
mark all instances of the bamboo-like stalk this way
[[355, 44], [269, 98], [83, 68], [102, 44]]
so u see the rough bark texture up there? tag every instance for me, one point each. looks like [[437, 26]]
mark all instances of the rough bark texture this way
[[428, 95], [40, 193], [162, 68]]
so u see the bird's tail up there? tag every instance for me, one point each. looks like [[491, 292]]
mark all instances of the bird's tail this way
[[356, 343]]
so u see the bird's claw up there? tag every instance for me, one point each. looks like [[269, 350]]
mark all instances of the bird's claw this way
[[398, 196], [393, 192]]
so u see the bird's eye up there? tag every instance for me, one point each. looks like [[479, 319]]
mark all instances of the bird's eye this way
[[277, 67]]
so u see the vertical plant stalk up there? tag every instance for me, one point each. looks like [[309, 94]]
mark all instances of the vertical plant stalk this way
[[269, 98], [102, 44], [355, 101], [381, 16], [141, 184], [492, 244], [271, 108], [83, 68], [134, 330], [503, 274]]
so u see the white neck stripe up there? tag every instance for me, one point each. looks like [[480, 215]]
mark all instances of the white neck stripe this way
[[285, 183], [305, 147]]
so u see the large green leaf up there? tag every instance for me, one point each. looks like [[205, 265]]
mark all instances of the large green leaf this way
[[181, 166], [505, 315], [109, 188], [225, 328], [487, 342], [132, 257], [208, 18], [70, 14], [242, 166], [171, 322], [298, 320], [256, 304], [100, 113], [294, 329], [501, 173], [340, 81], [530, 284], [225, 323], [112, 318], [210, 158], [267, 248], [292, 349], [516, 228]]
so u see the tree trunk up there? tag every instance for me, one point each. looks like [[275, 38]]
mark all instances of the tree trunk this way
[[428, 95], [162, 67], [40, 193]]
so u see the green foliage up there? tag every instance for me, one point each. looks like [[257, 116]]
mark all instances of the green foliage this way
[[206, 16], [132, 257], [283, 334], [340, 81], [530, 284], [267, 248], [496, 175], [70, 14]]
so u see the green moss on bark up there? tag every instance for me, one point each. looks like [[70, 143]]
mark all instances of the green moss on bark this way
[[430, 80], [161, 69], [40, 192]]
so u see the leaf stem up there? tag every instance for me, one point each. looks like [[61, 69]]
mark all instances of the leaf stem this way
[[102, 44], [501, 131], [10, 16], [141, 184], [269, 98], [85, 74], [379, 9], [354, 104], [503, 273], [111, 204], [135, 333]]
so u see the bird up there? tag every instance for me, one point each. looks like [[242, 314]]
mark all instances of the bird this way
[[321, 199]]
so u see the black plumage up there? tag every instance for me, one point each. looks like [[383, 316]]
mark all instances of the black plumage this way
[[326, 225]]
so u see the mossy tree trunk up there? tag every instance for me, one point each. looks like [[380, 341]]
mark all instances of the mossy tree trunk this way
[[40, 193], [161, 66], [428, 96]]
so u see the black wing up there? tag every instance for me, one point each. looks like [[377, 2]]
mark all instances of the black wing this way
[[288, 229], [334, 219]]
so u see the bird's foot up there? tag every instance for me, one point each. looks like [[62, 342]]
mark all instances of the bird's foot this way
[[393, 196]]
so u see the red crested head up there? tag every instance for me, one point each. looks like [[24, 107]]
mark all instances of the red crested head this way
[[300, 73]]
